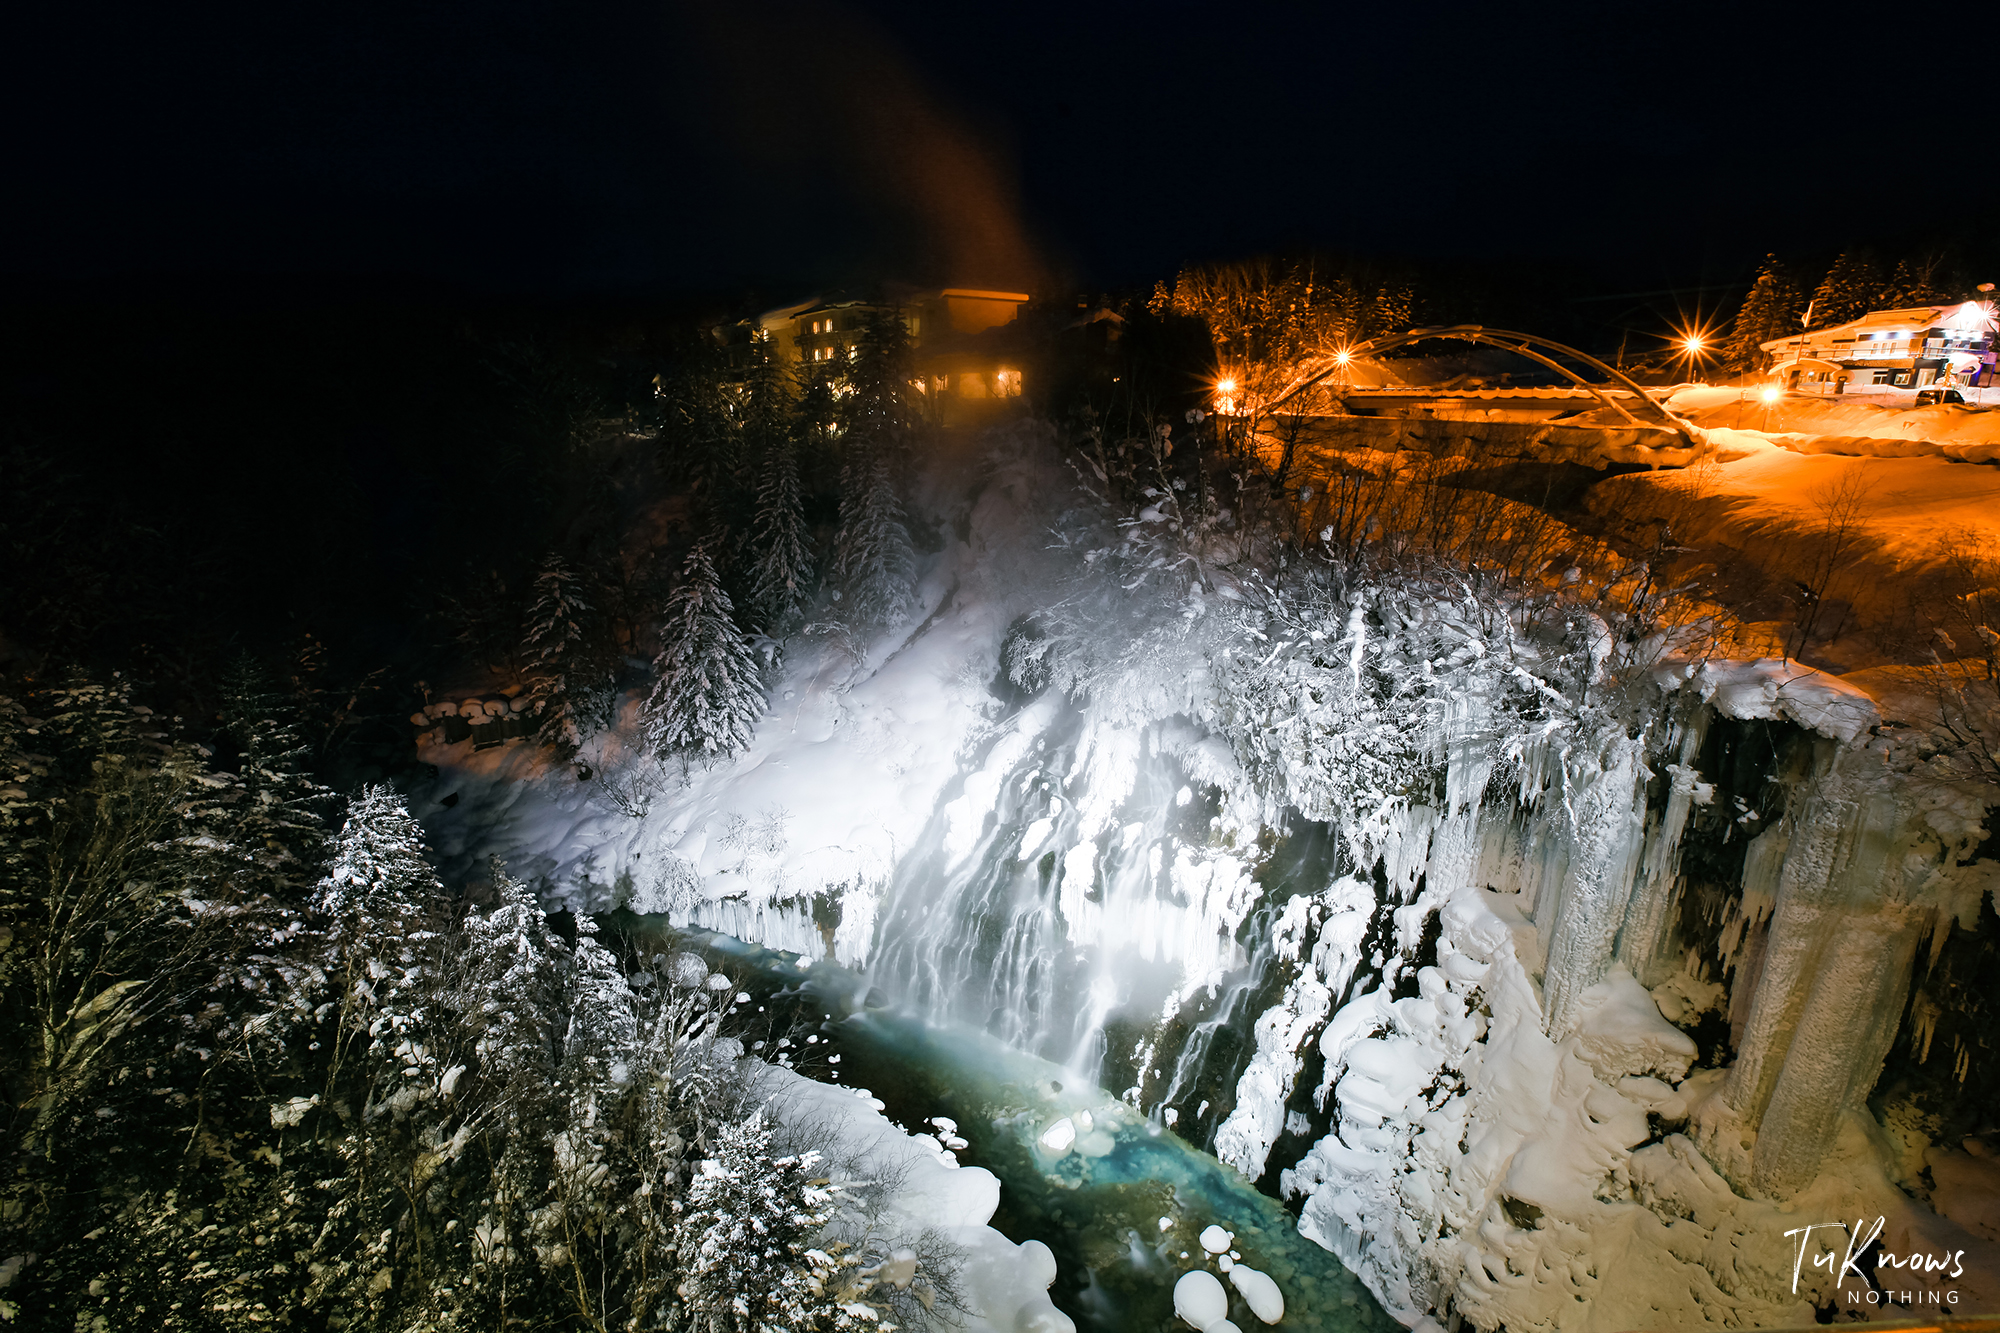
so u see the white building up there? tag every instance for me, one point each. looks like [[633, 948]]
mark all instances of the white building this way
[[1904, 348]]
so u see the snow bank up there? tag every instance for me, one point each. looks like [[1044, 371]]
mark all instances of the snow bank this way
[[1006, 1284], [1839, 424], [1777, 688]]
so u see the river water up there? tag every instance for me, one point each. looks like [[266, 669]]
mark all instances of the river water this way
[[1099, 1206]]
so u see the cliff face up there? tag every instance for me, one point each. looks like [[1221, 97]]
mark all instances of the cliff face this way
[[1552, 975]]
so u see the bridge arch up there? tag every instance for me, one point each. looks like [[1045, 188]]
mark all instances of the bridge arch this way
[[1535, 348]]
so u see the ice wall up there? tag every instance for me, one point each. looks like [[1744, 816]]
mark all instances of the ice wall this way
[[1524, 1140]]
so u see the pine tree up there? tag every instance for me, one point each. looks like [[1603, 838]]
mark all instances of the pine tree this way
[[698, 439], [782, 578], [509, 987], [280, 819], [781, 571], [570, 676], [873, 559], [1770, 310], [751, 1218], [877, 415], [378, 887], [1914, 283], [1391, 310], [1848, 291], [766, 413], [706, 696]]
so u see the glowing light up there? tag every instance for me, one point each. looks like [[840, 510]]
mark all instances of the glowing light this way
[[1770, 394], [1342, 357], [1692, 344], [1226, 401]]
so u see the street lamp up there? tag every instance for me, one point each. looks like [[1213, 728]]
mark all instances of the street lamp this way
[[1691, 346]]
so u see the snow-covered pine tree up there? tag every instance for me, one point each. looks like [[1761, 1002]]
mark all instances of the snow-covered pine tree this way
[[873, 559], [706, 696], [569, 673], [1848, 291], [877, 414], [1913, 283], [765, 413], [579, 1233], [782, 576], [1770, 310], [388, 1069], [780, 549], [698, 439], [377, 898], [1391, 310], [747, 1236], [510, 988]]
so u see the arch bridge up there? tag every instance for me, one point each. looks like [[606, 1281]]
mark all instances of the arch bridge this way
[[1540, 350]]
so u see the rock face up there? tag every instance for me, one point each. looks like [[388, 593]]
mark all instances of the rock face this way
[[1510, 1094]]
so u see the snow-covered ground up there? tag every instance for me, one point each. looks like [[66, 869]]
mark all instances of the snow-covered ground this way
[[1880, 428], [1005, 1285], [1518, 1134]]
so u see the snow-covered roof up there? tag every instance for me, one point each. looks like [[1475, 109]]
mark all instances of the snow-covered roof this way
[[1909, 317], [1970, 315]]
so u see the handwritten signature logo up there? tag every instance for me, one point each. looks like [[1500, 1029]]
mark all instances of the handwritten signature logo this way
[[1865, 1259]]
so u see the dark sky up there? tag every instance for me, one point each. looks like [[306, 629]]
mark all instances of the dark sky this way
[[576, 146]]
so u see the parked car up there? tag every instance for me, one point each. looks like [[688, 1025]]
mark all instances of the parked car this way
[[1932, 397]]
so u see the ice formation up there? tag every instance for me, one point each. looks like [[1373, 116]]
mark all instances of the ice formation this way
[[1500, 1123]]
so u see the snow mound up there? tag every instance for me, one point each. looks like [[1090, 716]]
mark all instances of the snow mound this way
[[1007, 1285], [1200, 1299], [1775, 688], [1260, 1291], [1623, 1034]]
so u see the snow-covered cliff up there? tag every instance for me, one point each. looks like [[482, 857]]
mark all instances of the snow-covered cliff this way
[[1547, 966]]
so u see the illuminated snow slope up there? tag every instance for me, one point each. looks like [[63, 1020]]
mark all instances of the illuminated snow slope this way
[[1502, 1122]]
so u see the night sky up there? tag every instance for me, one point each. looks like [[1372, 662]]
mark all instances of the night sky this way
[[594, 147]]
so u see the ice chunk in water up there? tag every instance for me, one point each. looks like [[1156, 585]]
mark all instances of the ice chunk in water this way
[[1266, 1301], [1200, 1299]]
